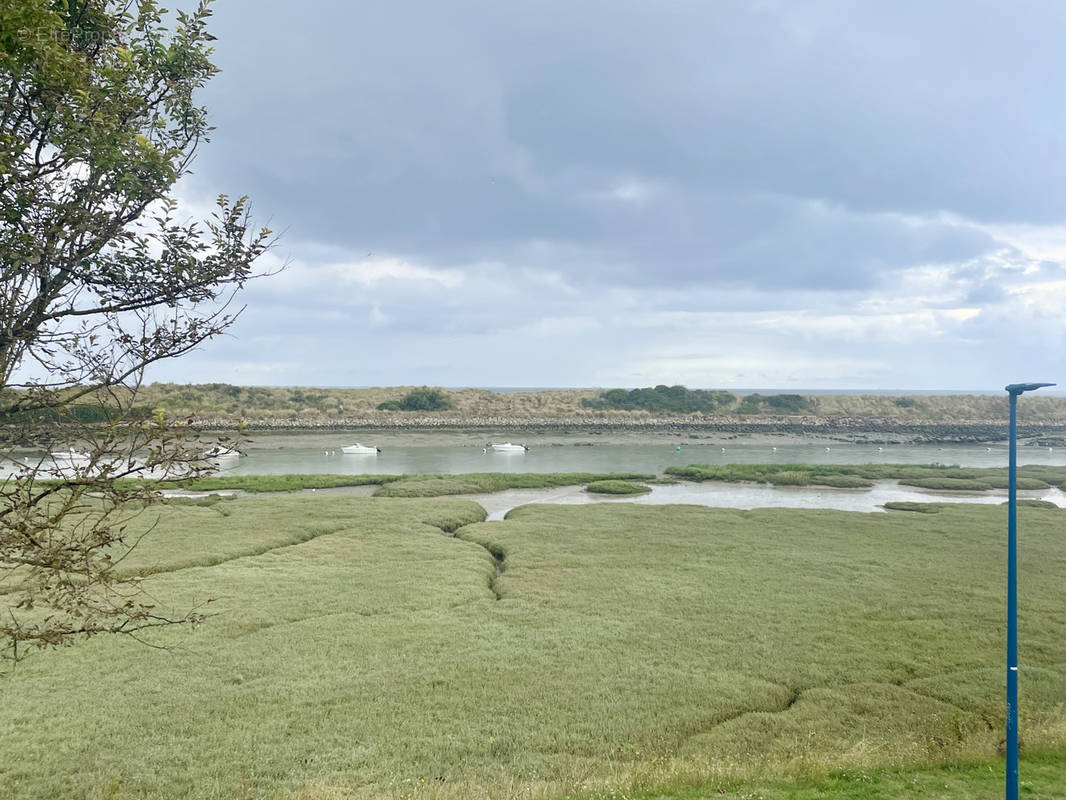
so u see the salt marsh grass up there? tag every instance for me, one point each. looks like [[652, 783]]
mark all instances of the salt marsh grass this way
[[392, 647]]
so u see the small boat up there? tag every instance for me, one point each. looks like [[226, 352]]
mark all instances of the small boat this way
[[222, 457], [507, 447], [69, 460], [360, 450]]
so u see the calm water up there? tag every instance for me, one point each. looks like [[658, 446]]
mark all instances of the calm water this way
[[748, 496], [321, 453]]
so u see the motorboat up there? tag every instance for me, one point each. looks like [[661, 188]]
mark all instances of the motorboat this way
[[69, 460], [69, 457], [360, 450], [507, 447], [222, 457]]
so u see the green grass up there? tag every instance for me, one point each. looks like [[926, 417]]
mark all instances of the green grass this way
[[857, 476], [920, 508], [286, 483], [950, 483], [358, 650], [616, 487], [486, 482], [1041, 779], [403, 485]]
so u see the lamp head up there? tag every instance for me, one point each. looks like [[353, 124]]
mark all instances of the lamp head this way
[[1018, 388]]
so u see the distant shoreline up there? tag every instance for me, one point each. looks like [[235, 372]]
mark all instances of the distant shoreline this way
[[658, 429]]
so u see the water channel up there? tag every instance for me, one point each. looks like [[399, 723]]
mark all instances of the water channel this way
[[400, 454], [415, 453]]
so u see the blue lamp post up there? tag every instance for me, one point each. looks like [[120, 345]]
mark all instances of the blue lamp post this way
[[1013, 390]]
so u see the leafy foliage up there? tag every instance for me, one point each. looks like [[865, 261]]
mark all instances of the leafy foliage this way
[[100, 279]]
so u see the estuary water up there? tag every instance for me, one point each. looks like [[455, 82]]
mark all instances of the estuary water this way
[[442, 453], [321, 453]]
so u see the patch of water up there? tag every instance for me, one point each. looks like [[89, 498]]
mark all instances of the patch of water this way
[[751, 495]]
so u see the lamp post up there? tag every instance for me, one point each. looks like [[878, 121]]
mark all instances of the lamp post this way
[[1013, 390]]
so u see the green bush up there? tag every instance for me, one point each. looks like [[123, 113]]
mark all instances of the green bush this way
[[662, 398], [424, 399]]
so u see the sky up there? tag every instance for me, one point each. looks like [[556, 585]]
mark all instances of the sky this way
[[794, 194]]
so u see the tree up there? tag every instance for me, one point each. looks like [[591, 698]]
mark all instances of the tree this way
[[424, 399], [99, 278]]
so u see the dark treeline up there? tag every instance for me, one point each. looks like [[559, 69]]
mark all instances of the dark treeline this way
[[679, 400], [423, 399]]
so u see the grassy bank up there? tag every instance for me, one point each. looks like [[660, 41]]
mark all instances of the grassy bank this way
[[834, 475], [849, 476], [409, 485], [391, 647]]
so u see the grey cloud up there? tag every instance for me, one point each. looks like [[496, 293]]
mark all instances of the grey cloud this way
[[464, 131]]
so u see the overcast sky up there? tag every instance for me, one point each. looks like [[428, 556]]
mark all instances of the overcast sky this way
[[857, 195]]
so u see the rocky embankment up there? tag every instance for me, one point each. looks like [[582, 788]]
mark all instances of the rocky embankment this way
[[843, 429]]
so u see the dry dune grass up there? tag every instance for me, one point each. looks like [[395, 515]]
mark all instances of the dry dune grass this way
[[325, 406]]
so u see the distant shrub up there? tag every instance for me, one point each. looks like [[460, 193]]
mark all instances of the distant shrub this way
[[616, 487], [776, 403], [749, 405], [81, 412], [424, 399], [788, 403], [662, 398], [906, 402]]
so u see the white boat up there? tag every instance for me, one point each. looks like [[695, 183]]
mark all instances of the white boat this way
[[507, 447], [360, 450], [70, 456], [69, 460], [222, 457]]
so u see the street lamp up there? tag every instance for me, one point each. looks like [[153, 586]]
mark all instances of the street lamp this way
[[1013, 390]]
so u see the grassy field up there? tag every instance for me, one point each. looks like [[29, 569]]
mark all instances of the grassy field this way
[[394, 647]]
